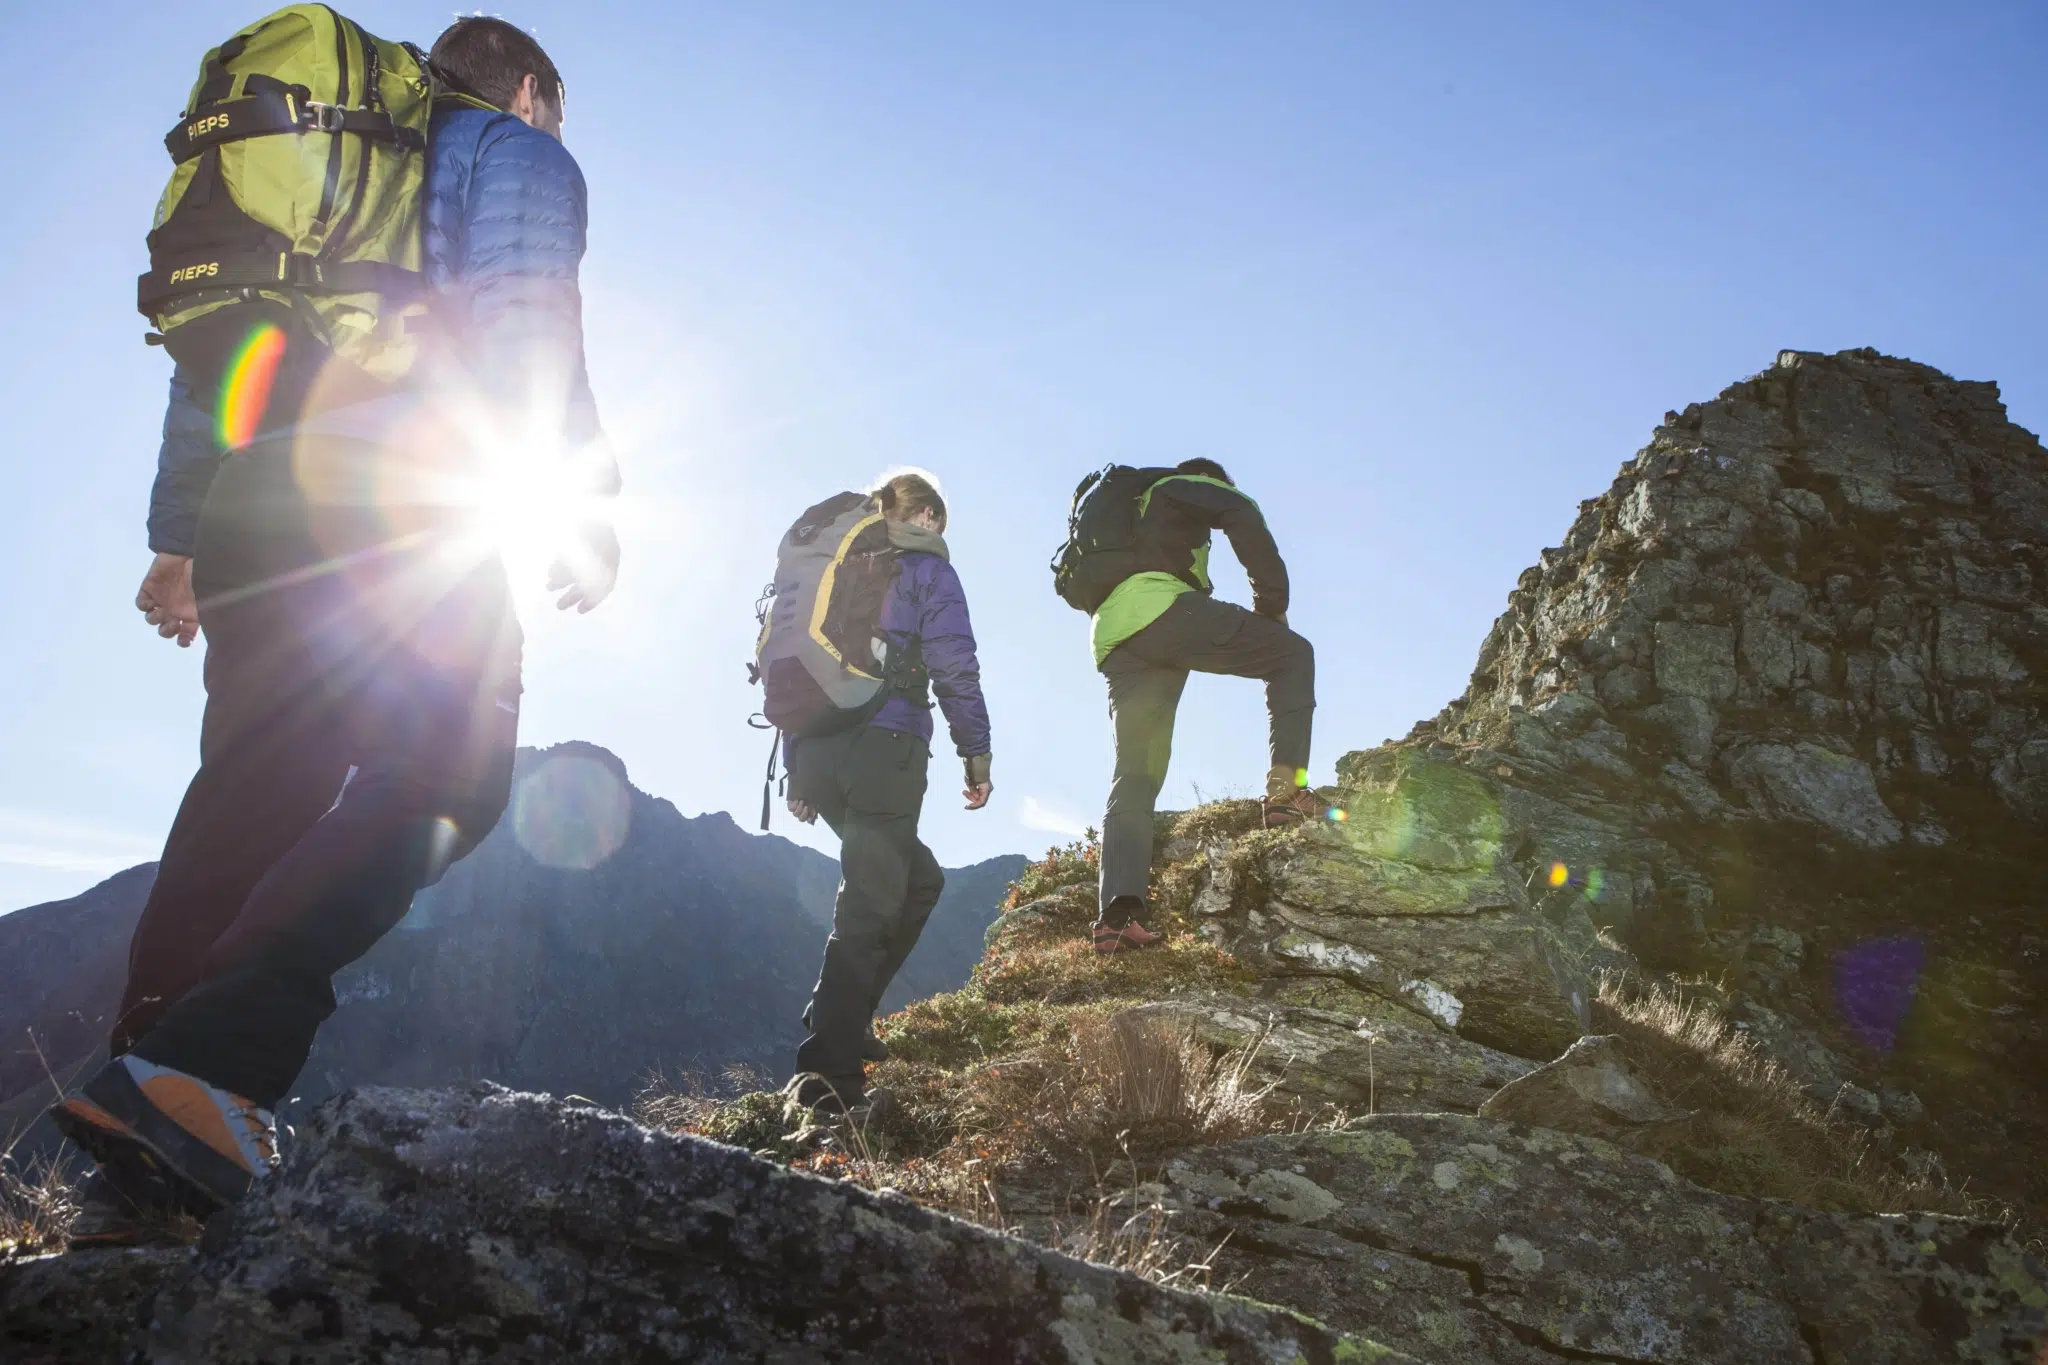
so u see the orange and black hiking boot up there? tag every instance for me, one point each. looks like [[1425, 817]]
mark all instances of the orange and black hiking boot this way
[[150, 1123]]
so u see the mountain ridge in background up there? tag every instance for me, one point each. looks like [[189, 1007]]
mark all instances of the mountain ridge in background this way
[[596, 937]]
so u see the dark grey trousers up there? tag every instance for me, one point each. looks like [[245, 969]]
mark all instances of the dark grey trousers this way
[[868, 784], [1146, 674]]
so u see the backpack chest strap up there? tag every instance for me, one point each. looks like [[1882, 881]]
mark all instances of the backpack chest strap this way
[[268, 112]]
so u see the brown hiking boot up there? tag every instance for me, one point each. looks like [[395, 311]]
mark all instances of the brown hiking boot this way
[[1110, 938], [1293, 808]]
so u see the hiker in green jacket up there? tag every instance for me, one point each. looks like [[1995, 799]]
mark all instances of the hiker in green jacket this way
[[1160, 624]]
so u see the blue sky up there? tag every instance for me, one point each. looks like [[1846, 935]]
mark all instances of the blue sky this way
[[1422, 276]]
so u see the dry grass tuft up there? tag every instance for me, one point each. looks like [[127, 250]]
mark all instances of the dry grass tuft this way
[[1754, 1131], [1115, 1084], [1129, 1232], [38, 1201], [680, 1103]]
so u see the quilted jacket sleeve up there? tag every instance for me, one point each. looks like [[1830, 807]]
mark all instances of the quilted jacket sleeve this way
[[185, 465], [518, 248], [947, 637]]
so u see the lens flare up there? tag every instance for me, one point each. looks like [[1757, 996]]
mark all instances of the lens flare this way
[[1559, 874], [1337, 815], [245, 389], [1875, 985], [571, 812], [1594, 880]]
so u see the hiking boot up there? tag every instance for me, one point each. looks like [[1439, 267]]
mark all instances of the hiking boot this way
[[207, 1146], [821, 1100], [1293, 808], [1110, 938], [875, 1107], [873, 1049]]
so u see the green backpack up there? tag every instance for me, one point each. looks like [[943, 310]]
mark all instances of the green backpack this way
[[293, 214]]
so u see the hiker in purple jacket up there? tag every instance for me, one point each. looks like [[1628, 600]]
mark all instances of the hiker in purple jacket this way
[[869, 783]]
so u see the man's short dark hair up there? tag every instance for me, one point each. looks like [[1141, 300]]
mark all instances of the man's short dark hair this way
[[491, 59], [1208, 469]]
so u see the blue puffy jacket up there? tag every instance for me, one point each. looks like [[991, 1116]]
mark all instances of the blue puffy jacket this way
[[505, 222]]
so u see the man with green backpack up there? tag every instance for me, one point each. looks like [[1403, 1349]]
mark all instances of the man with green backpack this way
[[1137, 559], [365, 268]]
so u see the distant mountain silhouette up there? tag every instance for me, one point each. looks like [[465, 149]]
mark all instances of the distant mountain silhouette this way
[[597, 936]]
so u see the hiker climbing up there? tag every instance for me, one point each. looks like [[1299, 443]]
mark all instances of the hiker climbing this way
[[317, 512], [866, 623], [1136, 558]]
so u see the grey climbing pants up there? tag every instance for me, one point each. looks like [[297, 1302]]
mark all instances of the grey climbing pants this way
[[1146, 674]]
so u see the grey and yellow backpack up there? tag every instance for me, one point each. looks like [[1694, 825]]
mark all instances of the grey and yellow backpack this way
[[820, 660], [292, 218]]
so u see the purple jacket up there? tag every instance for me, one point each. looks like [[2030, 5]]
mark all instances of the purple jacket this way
[[926, 604]]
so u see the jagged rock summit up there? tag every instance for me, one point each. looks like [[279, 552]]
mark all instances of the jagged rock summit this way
[[1771, 723]]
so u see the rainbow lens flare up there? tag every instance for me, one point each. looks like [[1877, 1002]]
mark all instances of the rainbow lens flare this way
[[1559, 874], [245, 389], [1337, 815]]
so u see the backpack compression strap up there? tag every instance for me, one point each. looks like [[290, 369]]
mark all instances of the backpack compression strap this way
[[276, 270], [271, 111]]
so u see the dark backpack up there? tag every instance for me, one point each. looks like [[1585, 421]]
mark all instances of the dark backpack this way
[[1101, 550], [816, 658]]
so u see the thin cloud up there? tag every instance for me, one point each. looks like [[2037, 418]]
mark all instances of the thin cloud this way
[[56, 844], [1039, 816]]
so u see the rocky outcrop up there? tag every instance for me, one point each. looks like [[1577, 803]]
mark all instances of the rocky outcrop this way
[[1592, 1089], [1412, 899], [1325, 1058], [1471, 1242], [445, 1226]]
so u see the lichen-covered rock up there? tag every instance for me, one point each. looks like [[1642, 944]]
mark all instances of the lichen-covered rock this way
[[1380, 1063], [1468, 1241], [446, 1226], [1592, 1089], [1907, 1289], [87, 1308], [1819, 786], [1410, 897]]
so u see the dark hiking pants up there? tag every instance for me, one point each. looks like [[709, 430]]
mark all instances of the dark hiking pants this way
[[1146, 674], [868, 785], [362, 695]]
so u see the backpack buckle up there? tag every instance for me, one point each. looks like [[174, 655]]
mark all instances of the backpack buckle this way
[[322, 118]]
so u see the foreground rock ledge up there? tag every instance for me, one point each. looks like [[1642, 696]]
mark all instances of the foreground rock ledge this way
[[485, 1225]]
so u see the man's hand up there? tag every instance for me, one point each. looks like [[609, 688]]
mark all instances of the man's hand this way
[[803, 810], [979, 788], [165, 599], [589, 569]]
